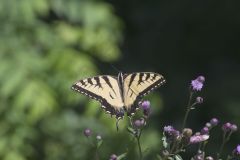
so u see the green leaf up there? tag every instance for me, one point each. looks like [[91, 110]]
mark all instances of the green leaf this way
[[159, 157], [178, 157], [99, 143], [131, 130], [165, 143], [122, 156]]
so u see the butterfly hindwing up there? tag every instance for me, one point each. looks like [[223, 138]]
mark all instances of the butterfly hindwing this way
[[105, 90], [137, 85]]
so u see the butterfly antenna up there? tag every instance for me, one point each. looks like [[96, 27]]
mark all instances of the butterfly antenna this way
[[115, 68]]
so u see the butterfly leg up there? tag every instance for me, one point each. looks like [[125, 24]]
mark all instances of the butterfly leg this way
[[119, 116]]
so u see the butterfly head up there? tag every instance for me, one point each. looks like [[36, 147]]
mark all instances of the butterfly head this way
[[120, 78], [120, 114], [120, 75]]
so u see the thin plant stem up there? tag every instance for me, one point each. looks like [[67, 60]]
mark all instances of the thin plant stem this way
[[173, 147], [91, 143], [222, 145], [137, 136], [189, 106], [224, 141], [139, 145], [139, 148], [204, 146], [96, 154], [94, 146], [199, 146]]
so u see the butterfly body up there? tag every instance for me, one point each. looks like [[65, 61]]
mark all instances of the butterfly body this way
[[119, 94]]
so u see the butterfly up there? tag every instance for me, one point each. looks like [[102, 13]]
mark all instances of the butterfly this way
[[120, 94]]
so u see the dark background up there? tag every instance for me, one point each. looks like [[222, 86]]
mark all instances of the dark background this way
[[181, 40]]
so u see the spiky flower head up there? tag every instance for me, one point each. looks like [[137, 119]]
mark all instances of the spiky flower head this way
[[171, 132], [199, 100], [139, 123], [214, 121], [226, 127], [197, 83], [236, 151], [234, 128], [87, 132], [146, 107], [198, 138], [205, 130]]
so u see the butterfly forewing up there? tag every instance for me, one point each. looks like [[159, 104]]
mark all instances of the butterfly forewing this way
[[115, 95], [104, 89], [137, 85]]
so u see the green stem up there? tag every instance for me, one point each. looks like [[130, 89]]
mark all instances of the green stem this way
[[139, 148], [189, 106], [173, 147], [97, 155], [199, 146], [139, 145], [94, 146], [222, 145], [225, 140]]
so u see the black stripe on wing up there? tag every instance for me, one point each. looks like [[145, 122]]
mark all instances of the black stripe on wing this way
[[105, 78], [104, 104], [152, 87], [148, 90]]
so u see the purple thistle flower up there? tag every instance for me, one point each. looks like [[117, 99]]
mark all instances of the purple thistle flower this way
[[87, 132], [139, 123], [233, 127], [214, 121], [113, 157], [197, 84], [146, 106], [199, 100], [198, 138], [168, 129], [226, 127], [205, 130], [201, 79], [236, 151], [171, 132]]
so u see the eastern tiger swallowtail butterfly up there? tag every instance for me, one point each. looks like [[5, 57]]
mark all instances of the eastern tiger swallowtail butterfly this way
[[119, 94]]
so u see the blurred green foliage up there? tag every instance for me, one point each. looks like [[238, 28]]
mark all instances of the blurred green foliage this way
[[46, 45]]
